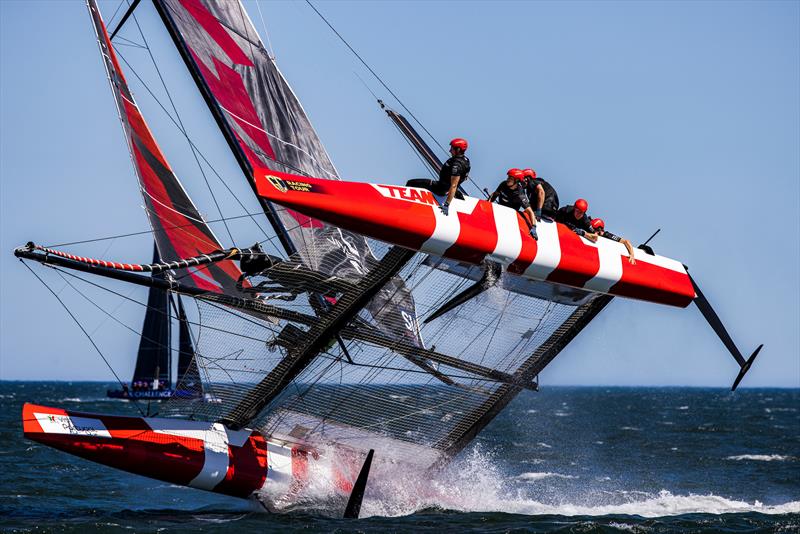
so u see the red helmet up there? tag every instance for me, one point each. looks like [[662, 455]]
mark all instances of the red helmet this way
[[458, 142], [598, 224], [581, 204], [530, 173], [516, 174]]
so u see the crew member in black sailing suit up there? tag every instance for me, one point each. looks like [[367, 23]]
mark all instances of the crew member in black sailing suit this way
[[454, 171], [576, 218], [511, 193], [542, 195], [599, 227]]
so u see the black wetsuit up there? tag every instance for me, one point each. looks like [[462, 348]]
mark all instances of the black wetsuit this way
[[550, 205], [513, 198], [566, 215], [455, 166]]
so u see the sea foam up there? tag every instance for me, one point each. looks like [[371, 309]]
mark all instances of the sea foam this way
[[762, 457]]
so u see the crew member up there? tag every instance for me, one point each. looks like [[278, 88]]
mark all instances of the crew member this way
[[454, 171], [511, 193], [599, 227], [575, 218], [542, 195]]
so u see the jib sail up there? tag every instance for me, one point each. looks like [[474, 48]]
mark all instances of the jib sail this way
[[178, 228]]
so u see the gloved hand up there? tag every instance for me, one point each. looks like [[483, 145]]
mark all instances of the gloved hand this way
[[445, 208], [538, 214], [533, 233]]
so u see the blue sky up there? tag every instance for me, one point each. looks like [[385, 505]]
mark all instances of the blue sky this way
[[683, 116]]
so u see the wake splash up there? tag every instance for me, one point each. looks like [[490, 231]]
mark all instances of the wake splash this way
[[475, 484]]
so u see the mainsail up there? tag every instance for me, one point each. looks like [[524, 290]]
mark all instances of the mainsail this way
[[178, 228], [266, 127]]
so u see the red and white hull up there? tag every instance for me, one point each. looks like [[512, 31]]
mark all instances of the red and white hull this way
[[477, 230], [200, 455]]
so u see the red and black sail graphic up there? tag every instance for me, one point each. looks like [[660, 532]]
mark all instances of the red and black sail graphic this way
[[267, 128], [178, 228]]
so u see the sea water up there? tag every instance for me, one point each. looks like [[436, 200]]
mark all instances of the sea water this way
[[562, 460]]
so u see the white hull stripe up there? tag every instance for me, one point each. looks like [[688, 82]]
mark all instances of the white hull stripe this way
[[279, 459], [548, 251], [215, 466], [610, 271], [215, 438], [509, 239], [448, 227]]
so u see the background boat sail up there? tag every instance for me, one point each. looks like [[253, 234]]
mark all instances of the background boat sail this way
[[344, 345], [152, 375]]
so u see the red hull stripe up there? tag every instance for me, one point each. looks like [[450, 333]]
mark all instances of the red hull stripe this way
[[475, 230]]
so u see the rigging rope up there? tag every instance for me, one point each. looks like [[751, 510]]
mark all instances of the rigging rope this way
[[89, 337], [151, 231], [183, 128], [375, 74], [142, 304], [189, 140]]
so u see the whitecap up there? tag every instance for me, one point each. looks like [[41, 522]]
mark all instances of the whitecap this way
[[683, 407], [545, 445], [762, 457], [632, 428], [532, 476]]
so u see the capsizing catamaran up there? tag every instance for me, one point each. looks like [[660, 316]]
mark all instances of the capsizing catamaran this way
[[385, 335]]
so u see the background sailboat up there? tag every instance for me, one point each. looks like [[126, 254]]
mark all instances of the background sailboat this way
[[152, 375]]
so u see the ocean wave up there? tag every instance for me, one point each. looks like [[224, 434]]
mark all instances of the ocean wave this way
[[476, 483], [530, 477], [483, 488], [762, 457], [663, 504]]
